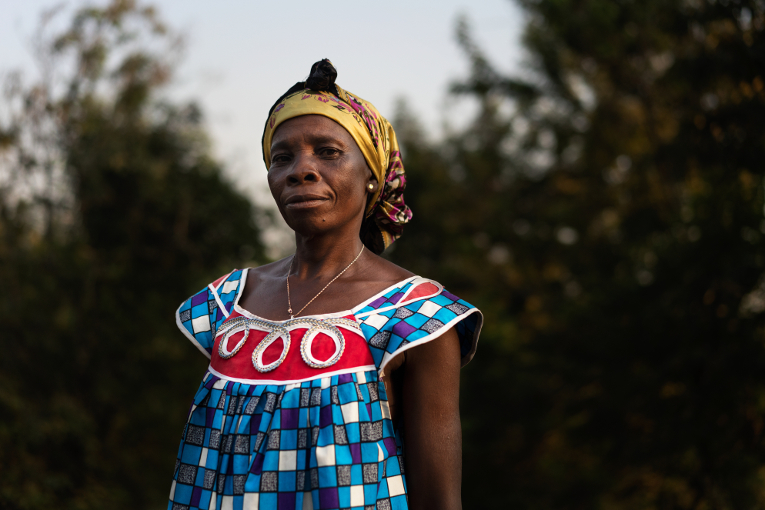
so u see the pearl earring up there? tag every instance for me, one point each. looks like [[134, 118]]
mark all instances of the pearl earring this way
[[370, 186]]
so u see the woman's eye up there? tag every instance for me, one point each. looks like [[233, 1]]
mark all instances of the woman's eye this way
[[279, 158], [329, 151]]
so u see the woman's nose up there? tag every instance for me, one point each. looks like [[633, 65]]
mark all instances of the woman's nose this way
[[303, 170]]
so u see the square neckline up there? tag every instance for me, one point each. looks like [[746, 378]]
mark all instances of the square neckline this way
[[344, 313]]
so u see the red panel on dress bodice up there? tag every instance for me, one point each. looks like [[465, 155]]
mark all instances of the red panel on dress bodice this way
[[293, 368]]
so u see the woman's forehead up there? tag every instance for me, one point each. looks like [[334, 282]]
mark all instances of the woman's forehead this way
[[311, 126]]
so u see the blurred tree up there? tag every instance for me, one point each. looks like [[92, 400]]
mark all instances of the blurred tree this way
[[611, 228], [111, 212]]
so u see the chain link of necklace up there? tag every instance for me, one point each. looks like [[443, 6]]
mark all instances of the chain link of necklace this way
[[289, 303]]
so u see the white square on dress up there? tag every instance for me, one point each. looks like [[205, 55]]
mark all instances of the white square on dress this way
[[375, 320], [361, 377], [350, 412], [395, 485], [251, 501], [325, 455], [288, 460], [229, 286], [201, 324], [307, 501], [429, 309], [203, 457], [227, 503], [357, 495]]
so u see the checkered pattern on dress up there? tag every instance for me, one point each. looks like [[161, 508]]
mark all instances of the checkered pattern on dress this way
[[327, 443], [389, 327], [200, 315]]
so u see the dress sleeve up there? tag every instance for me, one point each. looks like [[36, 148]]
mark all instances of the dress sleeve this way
[[200, 315], [424, 312]]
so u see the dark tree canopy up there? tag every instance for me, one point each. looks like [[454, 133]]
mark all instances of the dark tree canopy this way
[[112, 212], [611, 228]]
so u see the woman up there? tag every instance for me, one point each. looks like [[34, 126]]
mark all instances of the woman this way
[[332, 372]]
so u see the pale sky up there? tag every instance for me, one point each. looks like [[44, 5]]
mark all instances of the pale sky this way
[[242, 55]]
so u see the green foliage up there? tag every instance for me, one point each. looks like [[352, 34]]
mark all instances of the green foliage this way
[[611, 229], [112, 212]]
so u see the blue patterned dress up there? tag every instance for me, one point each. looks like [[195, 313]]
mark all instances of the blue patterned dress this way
[[293, 414]]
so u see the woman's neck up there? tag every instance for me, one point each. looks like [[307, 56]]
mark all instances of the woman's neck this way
[[321, 256]]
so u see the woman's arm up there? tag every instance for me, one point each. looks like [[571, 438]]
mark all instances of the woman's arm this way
[[431, 421]]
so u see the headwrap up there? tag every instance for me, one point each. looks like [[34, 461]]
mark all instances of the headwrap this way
[[386, 213]]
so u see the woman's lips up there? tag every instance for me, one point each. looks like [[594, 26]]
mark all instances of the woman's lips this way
[[305, 202]]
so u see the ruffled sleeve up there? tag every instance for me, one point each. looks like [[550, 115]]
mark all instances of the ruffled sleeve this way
[[200, 315], [419, 312]]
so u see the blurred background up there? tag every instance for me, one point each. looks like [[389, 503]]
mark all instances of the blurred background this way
[[589, 173]]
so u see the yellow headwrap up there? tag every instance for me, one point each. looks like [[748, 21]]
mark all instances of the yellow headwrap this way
[[372, 133]]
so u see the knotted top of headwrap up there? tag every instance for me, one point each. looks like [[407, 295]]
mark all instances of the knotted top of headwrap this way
[[386, 213]]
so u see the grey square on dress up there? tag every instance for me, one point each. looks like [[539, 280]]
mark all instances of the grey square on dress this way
[[209, 480], [177, 463], [185, 315], [372, 388], [380, 339], [232, 403], [270, 403], [259, 441], [269, 481], [305, 396], [222, 400], [334, 396], [359, 395], [314, 436], [212, 306], [369, 472], [314, 478], [383, 504], [215, 439], [239, 484], [457, 308], [432, 325], [240, 404], [316, 397], [402, 313], [187, 474], [401, 464], [300, 482], [371, 431], [221, 481], [178, 506], [228, 442], [251, 405], [343, 475], [274, 438], [369, 507], [302, 441], [242, 444], [340, 435]]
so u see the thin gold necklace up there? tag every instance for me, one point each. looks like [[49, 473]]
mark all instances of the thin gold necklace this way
[[289, 302]]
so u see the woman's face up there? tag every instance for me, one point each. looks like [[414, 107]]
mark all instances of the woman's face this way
[[318, 175]]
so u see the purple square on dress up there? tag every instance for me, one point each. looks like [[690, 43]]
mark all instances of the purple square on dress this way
[[255, 423], [377, 302], [390, 445], [344, 378], [450, 295], [395, 297], [356, 453], [212, 380], [257, 464], [286, 501], [325, 418], [199, 298], [195, 496], [403, 329], [328, 498], [218, 314], [210, 417], [229, 387], [289, 419], [369, 411]]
